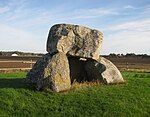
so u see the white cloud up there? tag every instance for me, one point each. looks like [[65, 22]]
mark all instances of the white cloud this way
[[99, 11], [91, 13], [13, 9], [126, 42], [23, 27], [43, 16], [129, 7], [128, 37], [16, 3], [139, 25], [15, 39], [4, 9]]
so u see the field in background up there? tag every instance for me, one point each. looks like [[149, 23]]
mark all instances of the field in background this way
[[18, 98], [136, 63], [16, 63], [123, 63]]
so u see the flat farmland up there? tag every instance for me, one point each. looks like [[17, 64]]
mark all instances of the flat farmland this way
[[123, 63], [17, 62], [132, 63]]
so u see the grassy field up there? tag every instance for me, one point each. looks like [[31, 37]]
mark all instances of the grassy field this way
[[17, 98]]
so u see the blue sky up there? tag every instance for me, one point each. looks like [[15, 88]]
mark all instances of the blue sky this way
[[24, 24]]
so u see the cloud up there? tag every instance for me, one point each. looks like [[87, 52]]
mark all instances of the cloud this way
[[16, 39], [13, 10], [139, 25], [128, 37], [24, 27], [44, 16], [76, 14], [4, 9], [127, 42], [129, 7], [90, 13]]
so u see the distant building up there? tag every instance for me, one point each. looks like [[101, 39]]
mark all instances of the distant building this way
[[14, 55]]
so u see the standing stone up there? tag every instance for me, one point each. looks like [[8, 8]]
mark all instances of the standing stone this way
[[56, 75], [51, 72], [75, 40], [36, 73], [103, 70]]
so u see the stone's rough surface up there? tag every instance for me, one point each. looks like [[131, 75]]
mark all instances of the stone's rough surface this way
[[51, 72], [36, 73], [111, 74], [103, 70], [56, 75], [75, 40], [94, 70]]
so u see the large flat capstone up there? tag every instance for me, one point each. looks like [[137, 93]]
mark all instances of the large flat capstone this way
[[75, 40]]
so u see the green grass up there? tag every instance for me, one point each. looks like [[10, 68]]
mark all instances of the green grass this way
[[135, 75], [13, 75], [132, 99]]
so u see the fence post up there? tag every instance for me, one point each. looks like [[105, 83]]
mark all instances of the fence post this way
[[31, 64], [127, 66]]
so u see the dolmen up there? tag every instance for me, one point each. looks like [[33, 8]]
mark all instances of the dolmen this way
[[73, 54]]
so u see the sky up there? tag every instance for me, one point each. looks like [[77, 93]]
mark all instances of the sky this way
[[24, 24]]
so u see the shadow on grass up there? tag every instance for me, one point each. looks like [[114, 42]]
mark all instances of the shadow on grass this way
[[14, 83]]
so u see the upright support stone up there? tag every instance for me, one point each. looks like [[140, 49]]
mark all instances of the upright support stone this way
[[103, 70], [51, 72], [57, 73], [36, 73]]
